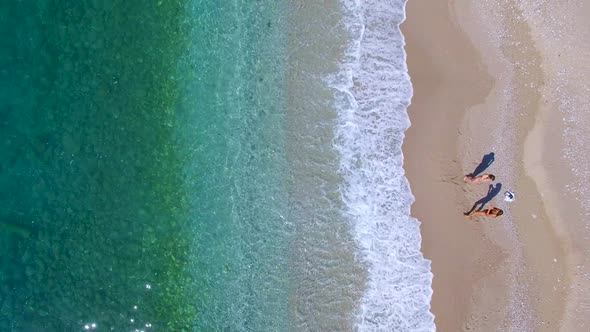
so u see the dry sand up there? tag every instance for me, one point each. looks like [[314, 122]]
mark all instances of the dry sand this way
[[478, 78]]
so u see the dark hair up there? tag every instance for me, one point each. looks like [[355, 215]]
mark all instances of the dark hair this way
[[500, 212], [492, 177]]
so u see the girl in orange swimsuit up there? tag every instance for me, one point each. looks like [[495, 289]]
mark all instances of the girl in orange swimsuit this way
[[479, 179], [491, 212]]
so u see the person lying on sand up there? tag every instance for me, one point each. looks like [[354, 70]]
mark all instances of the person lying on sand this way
[[491, 212], [479, 179]]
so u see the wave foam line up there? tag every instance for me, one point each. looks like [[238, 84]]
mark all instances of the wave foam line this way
[[373, 91]]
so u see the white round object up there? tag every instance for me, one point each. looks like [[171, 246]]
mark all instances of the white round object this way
[[509, 196]]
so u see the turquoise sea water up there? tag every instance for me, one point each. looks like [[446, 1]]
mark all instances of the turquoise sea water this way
[[142, 166], [196, 165]]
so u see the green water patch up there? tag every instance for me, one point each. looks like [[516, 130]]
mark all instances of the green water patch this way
[[95, 224]]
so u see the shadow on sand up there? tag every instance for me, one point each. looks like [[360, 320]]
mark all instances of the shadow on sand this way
[[486, 161], [492, 192]]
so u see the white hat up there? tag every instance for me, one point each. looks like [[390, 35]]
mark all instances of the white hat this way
[[509, 196]]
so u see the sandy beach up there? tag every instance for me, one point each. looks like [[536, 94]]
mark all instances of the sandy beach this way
[[482, 84]]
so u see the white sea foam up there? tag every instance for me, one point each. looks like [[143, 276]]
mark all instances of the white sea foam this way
[[373, 91]]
